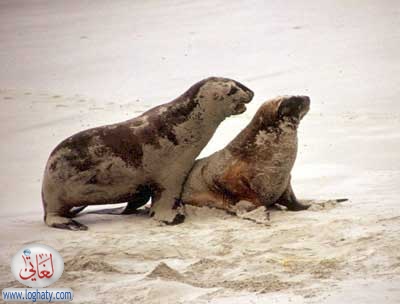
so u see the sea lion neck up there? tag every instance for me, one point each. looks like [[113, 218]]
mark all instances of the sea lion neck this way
[[265, 131], [263, 120]]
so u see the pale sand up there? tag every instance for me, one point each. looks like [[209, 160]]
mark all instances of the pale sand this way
[[330, 253], [344, 56]]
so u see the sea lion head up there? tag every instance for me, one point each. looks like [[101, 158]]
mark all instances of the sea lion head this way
[[288, 110], [293, 107], [225, 94]]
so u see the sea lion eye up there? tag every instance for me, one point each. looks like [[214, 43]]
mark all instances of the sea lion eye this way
[[233, 90]]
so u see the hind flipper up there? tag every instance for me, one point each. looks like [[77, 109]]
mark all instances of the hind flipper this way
[[72, 225], [289, 200], [135, 203], [60, 222]]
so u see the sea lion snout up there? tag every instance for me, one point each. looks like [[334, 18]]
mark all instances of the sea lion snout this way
[[305, 100], [305, 105], [240, 95], [249, 97], [294, 106], [237, 85], [250, 94]]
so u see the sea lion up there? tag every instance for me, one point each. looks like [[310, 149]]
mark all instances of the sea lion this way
[[145, 157], [255, 166]]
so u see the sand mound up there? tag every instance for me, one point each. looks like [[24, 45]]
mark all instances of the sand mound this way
[[163, 271]]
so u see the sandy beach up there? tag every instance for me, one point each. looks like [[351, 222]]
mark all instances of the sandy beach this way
[[71, 65]]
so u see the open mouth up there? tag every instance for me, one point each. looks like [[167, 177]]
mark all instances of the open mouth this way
[[241, 106]]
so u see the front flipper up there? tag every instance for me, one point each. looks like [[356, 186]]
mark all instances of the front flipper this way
[[167, 206], [169, 210], [135, 203]]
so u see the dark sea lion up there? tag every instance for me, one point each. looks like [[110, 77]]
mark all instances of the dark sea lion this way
[[256, 165], [142, 158]]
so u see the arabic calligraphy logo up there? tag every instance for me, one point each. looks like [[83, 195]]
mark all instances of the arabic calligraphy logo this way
[[37, 265]]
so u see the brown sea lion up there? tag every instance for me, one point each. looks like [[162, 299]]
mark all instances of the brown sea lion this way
[[142, 158], [256, 165]]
